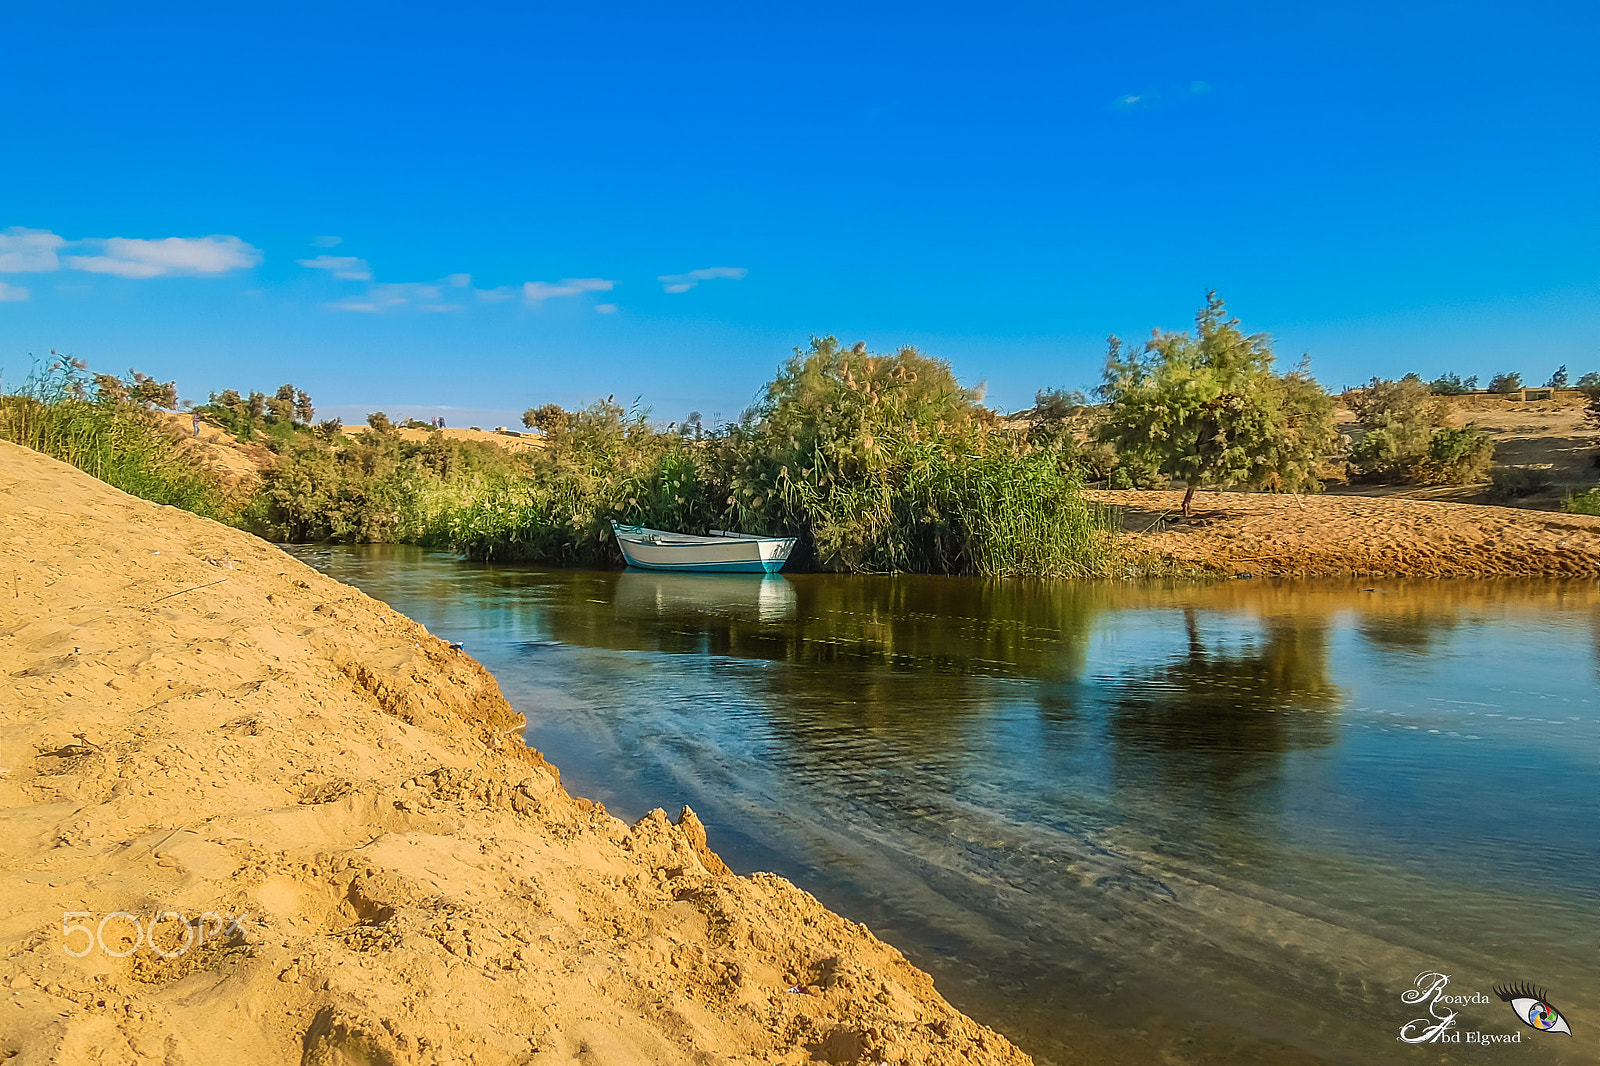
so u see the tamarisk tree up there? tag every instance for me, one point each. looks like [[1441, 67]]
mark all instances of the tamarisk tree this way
[[1208, 409]]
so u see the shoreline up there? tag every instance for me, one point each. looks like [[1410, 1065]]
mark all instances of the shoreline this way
[[1282, 535], [198, 725]]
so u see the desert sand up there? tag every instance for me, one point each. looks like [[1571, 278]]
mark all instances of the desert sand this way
[[1267, 534], [519, 442], [380, 870]]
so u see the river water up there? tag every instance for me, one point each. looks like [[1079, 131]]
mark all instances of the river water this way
[[1225, 823]]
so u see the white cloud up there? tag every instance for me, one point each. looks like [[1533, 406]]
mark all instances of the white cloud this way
[[685, 282], [133, 258], [13, 293], [606, 309], [348, 267], [459, 281], [499, 294], [537, 291], [29, 251], [326, 242], [388, 297]]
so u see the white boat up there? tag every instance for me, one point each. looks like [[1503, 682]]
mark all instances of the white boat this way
[[721, 552]]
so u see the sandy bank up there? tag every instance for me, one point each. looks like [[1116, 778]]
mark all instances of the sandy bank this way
[[191, 721], [1269, 534]]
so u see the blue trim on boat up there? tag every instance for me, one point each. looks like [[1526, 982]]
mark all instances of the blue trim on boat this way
[[770, 566]]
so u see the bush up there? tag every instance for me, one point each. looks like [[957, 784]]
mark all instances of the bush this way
[[1586, 502], [1504, 383], [875, 462], [1515, 482], [114, 438], [885, 463], [1406, 439], [375, 487], [1455, 457]]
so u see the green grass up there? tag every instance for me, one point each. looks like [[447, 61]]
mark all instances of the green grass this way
[[119, 443]]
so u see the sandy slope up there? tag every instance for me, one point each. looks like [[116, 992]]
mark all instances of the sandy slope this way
[[522, 442], [1268, 534], [192, 721]]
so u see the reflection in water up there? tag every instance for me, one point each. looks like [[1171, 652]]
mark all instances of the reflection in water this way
[[757, 597], [1210, 724], [1124, 824]]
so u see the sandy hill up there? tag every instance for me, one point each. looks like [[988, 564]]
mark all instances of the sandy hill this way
[[373, 868]]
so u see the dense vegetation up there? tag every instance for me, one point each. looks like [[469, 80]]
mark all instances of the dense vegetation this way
[[876, 462], [374, 486], [1406, 438], [108, 427]]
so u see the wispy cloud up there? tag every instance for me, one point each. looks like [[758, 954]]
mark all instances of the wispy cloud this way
[[539, 291], [326, 242], [606, 309], [13, 293], [1149, 98], [128, 257], [1134, 101], [348, 267], [389, 296], [29, 251], [685, 282]]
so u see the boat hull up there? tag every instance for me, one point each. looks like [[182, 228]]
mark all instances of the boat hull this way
[[649, 549]]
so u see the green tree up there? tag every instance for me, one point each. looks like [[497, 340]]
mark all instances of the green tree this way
[[1453, 385], [1507, 382], [1558, 380], [546, 418], [1209, 409]]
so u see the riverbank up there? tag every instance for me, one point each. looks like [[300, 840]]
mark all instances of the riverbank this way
[[196, 723], [1330, 535]]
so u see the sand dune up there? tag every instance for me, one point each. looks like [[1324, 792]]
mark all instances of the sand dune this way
[[193, 722]]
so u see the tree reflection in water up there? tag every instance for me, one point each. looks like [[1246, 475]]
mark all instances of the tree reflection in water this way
[[1217, 722]]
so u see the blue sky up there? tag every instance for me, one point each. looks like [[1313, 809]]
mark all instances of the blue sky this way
[[483, 207]]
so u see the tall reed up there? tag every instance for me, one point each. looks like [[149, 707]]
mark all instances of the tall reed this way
[[118, 442]]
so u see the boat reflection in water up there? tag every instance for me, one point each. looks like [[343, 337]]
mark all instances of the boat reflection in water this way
[[755, 597]]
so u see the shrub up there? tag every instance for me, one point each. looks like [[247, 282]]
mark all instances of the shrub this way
[[1515, 482], [374, 487], [1048, 421], [875, 462], [1455, 457], [1406, 439], [1586, 502]]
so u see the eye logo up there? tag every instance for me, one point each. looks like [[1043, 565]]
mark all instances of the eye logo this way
[[1533, 1008]]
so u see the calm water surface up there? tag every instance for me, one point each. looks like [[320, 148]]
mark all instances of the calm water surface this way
[[1121, 824]]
